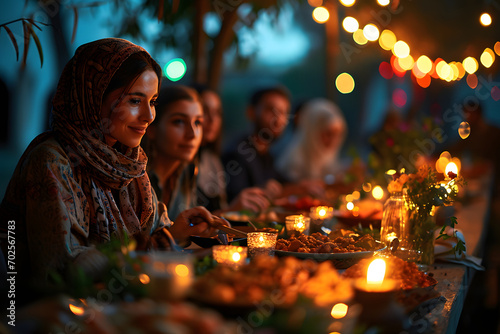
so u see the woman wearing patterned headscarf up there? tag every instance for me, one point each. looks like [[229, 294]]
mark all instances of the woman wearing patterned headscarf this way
[[84, 181]]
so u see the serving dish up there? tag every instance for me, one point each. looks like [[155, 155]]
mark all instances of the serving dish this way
[[340, 260]]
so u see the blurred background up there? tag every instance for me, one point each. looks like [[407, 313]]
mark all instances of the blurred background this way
[[344, 50]]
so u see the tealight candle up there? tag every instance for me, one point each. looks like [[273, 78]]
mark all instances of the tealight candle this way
[[170, 275], [320, 216], [297, 223], [233, 256], [321, 212], [261, 243], [376, 295]]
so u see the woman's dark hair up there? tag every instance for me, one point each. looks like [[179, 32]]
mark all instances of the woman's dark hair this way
[[170, 94], [131, 69]]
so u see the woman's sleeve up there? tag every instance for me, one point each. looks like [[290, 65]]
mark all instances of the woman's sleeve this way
[[57, 225]]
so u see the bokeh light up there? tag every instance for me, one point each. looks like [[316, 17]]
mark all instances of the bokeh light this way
[[497, 48], [464, 130], [401, 49], [487, 58], [371, 32], [387, 40], [383, 2], [424, 64], [495, 93], [443, 70], [315, 3], [406, 63], [385, 70], [378, 192], [485, 19], [472, 81], [344, 83], [359, 37], [350, 24], [424, 81], [320, 14], [339, 310], [396, 67], [182, 270], [175, 69], [399, 97], [470, 65], [347, 3]]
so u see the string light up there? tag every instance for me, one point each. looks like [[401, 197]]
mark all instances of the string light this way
[[423, 68]]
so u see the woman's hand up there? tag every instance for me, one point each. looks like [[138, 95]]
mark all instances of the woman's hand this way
[[254, 199], [196, 221]]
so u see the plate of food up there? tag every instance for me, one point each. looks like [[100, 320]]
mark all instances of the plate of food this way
[[343, 247]]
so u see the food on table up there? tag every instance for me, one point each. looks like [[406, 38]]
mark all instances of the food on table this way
[[338, 242], [406, 273], [276, 280]]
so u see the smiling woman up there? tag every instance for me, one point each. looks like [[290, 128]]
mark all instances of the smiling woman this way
[[171, 143], [84, 182]]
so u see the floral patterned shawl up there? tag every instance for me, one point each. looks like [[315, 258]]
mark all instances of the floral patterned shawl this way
[[70, 190]]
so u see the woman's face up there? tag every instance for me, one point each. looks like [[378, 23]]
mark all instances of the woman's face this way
[[331, 136], [212, 111], [177, 134], [129, 115]]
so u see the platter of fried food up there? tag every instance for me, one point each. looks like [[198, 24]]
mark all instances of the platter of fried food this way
[[343, 245]]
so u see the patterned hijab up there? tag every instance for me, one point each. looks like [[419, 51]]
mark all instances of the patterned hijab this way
[[78, 127]]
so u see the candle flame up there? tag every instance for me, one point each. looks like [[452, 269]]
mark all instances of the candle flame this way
[[182, 270], [77, 310], [376, 272], [339, 310], [261, 239], [236, 257], [451, 167]]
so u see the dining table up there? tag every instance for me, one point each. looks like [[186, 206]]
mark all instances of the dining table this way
[[454, 276]]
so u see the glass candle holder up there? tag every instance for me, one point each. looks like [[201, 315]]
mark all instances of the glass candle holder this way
[[320, 216], [232, 256], [261, 243], [171, 275], [297, 223], [321, 213]]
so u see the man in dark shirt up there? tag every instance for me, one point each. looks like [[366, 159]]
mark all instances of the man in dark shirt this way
[[249, 163]]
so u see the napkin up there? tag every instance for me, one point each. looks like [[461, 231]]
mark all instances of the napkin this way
[[443, 250]]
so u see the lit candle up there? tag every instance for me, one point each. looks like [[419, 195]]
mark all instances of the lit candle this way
[[170, 275], [233, 256], [321, 212], [375, 281], [261, 243], [297, 223], [376, 294]]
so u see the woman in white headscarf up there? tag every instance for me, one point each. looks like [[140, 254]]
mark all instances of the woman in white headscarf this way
[[313, 153]]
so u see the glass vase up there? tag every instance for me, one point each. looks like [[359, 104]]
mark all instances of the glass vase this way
[[395, 229], [423, 239]]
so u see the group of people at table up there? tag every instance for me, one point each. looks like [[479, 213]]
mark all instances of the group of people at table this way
[[129, 156]]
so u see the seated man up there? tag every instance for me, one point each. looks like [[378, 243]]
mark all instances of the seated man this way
[[249, 162]]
